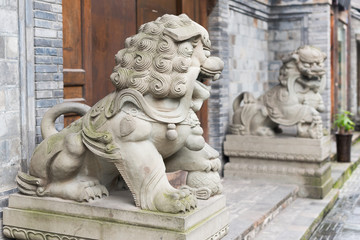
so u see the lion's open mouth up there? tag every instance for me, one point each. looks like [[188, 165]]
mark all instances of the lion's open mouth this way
[[211, 69], [206, 73], [205, 76]]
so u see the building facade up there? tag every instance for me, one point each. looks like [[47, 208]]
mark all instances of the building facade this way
[[55, 50]]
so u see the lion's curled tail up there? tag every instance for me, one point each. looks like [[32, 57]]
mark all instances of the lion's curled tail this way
[[48, 121], [28, 184], [247, 97]]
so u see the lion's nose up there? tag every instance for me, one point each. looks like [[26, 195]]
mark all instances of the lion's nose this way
[[213, 65]]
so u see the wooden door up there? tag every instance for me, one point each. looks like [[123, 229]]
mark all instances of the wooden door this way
[[93, 31], [112, 22], [150, 10], [76, 50]]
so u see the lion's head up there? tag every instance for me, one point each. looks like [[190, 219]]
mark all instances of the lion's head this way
[[306, 66], [310, 62], [164, 60]]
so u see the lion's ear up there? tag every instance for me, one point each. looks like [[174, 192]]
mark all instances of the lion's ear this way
[[290, 57], [324, 56], [182, 33]]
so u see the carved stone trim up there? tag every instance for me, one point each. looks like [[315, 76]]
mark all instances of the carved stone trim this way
[[272, 155], [27, 234], [282, 170], [220, 234]]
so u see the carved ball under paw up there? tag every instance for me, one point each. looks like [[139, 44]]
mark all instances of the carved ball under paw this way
[[179, 200], [215, 164], [202, 180]]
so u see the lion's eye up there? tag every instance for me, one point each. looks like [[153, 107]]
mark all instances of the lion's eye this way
[[306, 65], [207, 53], [195, 42]]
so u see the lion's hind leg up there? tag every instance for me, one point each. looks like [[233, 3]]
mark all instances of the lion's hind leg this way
[[66, 177], [143, 170]]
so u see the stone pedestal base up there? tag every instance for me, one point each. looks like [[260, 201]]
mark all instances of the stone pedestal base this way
[[114, 217], [292, 160]]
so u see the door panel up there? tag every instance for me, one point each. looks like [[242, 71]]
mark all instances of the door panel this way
[[73, 53], [150, 10], [112, 22]]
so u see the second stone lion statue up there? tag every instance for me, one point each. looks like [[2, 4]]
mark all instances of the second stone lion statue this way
[[148, 123], [296, 100]]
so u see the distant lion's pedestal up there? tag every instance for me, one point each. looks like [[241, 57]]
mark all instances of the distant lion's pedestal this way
[[114, 217], [281, 159]]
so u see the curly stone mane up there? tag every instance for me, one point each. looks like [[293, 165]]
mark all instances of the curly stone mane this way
[[152, 62]]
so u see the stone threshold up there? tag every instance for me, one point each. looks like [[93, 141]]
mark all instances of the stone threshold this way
[[253, 204], [268, 211]]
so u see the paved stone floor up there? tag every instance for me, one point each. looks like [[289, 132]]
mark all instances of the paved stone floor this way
[[343, 221]]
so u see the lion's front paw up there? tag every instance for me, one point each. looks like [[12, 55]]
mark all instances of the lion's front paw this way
[[92, 191], [77, 190], [175, 201]]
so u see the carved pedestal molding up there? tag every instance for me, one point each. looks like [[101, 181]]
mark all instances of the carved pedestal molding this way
[[281, 159], [28, 234], [114, 217]]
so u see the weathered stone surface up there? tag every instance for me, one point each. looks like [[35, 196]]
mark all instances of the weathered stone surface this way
[[300, 161], [8, 21], [281, 147], [12, 48], [114, 217], [2, 47], [253, 205], [299, 219], [12, 77]]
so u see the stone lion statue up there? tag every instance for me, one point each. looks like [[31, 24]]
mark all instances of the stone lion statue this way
[[147, 123], [296, 100]]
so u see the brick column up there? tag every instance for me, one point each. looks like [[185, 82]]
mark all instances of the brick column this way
[[219, 98], [48, 58]]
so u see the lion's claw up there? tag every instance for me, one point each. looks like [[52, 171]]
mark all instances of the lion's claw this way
[[178, 200]]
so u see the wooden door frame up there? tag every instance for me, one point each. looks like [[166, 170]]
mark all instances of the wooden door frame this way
[[87, 51]]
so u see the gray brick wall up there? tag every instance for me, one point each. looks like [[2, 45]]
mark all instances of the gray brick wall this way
[[17, 117], [248, 63], [10, 137], [48, 58], [219, 99]]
